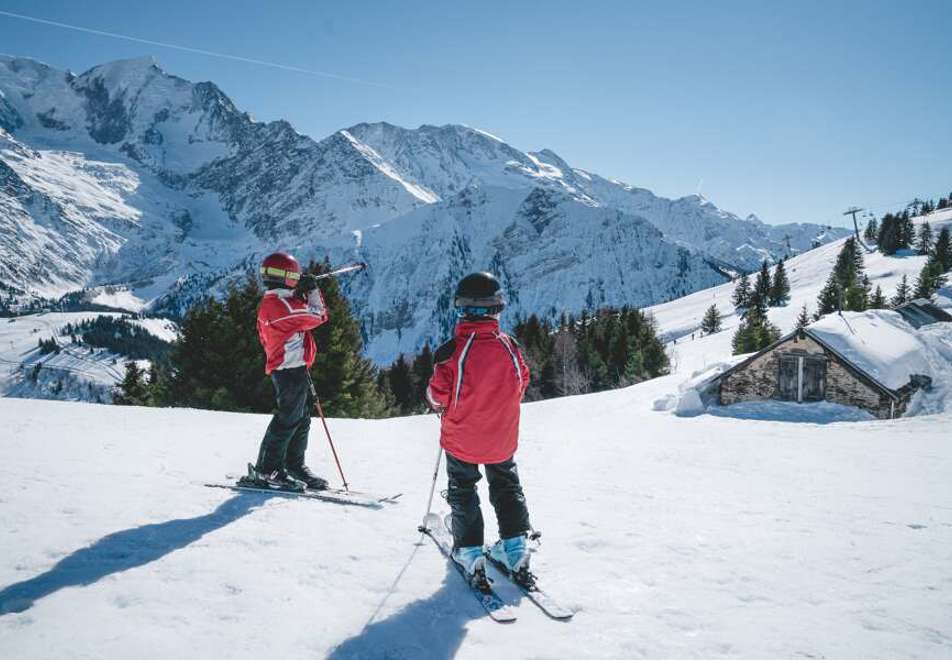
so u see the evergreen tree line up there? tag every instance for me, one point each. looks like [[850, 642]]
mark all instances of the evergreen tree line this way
[[767, 291], [594, 352], [218, 363], [118, 335], [896, 231], [755, 330], [598, 351]]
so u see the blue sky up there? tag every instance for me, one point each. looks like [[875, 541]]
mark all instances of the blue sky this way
[[793, 111]]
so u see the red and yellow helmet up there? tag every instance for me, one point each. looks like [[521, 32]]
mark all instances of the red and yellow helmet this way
[[282, 269]]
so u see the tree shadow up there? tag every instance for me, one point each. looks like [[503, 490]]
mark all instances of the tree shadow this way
[[428, 629], [123, 550]]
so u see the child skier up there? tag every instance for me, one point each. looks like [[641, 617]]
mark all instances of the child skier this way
[[479, 379], [289, 310]]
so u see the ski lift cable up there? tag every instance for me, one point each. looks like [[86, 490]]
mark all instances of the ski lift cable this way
[[198, 51]]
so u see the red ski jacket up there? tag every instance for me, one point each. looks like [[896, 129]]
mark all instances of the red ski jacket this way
[[284, 321], [479, 379]]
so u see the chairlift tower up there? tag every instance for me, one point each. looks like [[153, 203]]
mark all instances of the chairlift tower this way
[[853, 210]]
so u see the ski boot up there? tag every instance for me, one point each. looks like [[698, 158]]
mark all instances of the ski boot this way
[[311, 480], [513, 555], [275, 480], [473, 561]]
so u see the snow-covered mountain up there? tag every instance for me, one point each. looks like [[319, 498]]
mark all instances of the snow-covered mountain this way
[[128, 175]]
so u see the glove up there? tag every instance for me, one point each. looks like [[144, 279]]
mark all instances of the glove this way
[[305, 285]]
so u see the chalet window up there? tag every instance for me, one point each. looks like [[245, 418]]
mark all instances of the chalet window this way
[[801, 377]]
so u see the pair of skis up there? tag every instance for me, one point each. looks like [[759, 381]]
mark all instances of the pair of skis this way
[[334, 495], [495, 607]]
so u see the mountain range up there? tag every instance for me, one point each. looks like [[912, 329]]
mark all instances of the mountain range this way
[[128, 176]]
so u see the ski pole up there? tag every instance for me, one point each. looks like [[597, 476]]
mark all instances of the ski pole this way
[[436, 472], [320, 411], [340, 271]]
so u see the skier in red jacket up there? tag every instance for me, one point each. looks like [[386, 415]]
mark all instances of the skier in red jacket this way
[[479, 379], [289, 310]]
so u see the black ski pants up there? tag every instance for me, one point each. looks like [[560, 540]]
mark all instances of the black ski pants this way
[[505, 494], [285, 441]]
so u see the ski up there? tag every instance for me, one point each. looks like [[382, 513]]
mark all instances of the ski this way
[[489, 599], [532, 591], [333, 495]]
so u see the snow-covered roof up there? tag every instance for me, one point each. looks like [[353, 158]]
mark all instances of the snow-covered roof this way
[[878, 342]]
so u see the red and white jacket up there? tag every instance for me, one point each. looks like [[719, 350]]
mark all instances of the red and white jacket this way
[[479, 379], [284, 322]]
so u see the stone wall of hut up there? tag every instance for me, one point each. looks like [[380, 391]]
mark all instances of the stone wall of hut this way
[[759, 380]]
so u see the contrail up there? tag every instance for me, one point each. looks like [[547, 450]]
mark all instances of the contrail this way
[[199, 51]]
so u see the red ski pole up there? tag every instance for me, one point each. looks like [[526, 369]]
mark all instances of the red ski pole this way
[[320, 411]]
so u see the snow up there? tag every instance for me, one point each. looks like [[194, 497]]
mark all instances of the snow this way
[[119, 298], [670, 537], [422, 194], [76, 372], [164, 329], [879, 342]]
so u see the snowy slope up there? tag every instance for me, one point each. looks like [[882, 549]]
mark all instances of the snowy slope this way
[[76, 373], [132, 176], [670, 537], [678, 319]]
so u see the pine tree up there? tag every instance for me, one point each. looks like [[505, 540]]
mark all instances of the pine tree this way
[[943, 250], [877, 300], [930, 280], [830, 296], [889, 239], [218, 363], [780, 287], [851, 281], [422, 369], [872, 231], [754, 333], [924, 243], [345, 380], [902, 294], [762, 285], [803, 319], [742, 292], [133, 390], [400, 381], [711, 322], [907, 231]]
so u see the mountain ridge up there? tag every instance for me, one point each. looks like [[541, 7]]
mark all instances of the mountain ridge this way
[[134, 176]]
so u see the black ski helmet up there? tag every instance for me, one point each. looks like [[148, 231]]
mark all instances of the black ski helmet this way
[[479, 294]]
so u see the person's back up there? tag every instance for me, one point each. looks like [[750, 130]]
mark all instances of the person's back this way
[[481, 375]]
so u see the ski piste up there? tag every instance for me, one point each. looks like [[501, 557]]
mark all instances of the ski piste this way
[[334, 495], [542, 600], [489, 599]]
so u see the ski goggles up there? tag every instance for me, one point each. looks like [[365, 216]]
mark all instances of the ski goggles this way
[[271, 271], [492, 311]]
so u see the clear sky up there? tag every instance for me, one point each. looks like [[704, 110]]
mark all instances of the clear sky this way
[[790, 110]]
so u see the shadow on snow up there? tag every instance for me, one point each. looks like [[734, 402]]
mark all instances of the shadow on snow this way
[[123, 550], [429, 629]]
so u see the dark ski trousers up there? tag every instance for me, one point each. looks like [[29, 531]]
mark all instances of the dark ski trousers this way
[[505, 494], [285, 441]]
